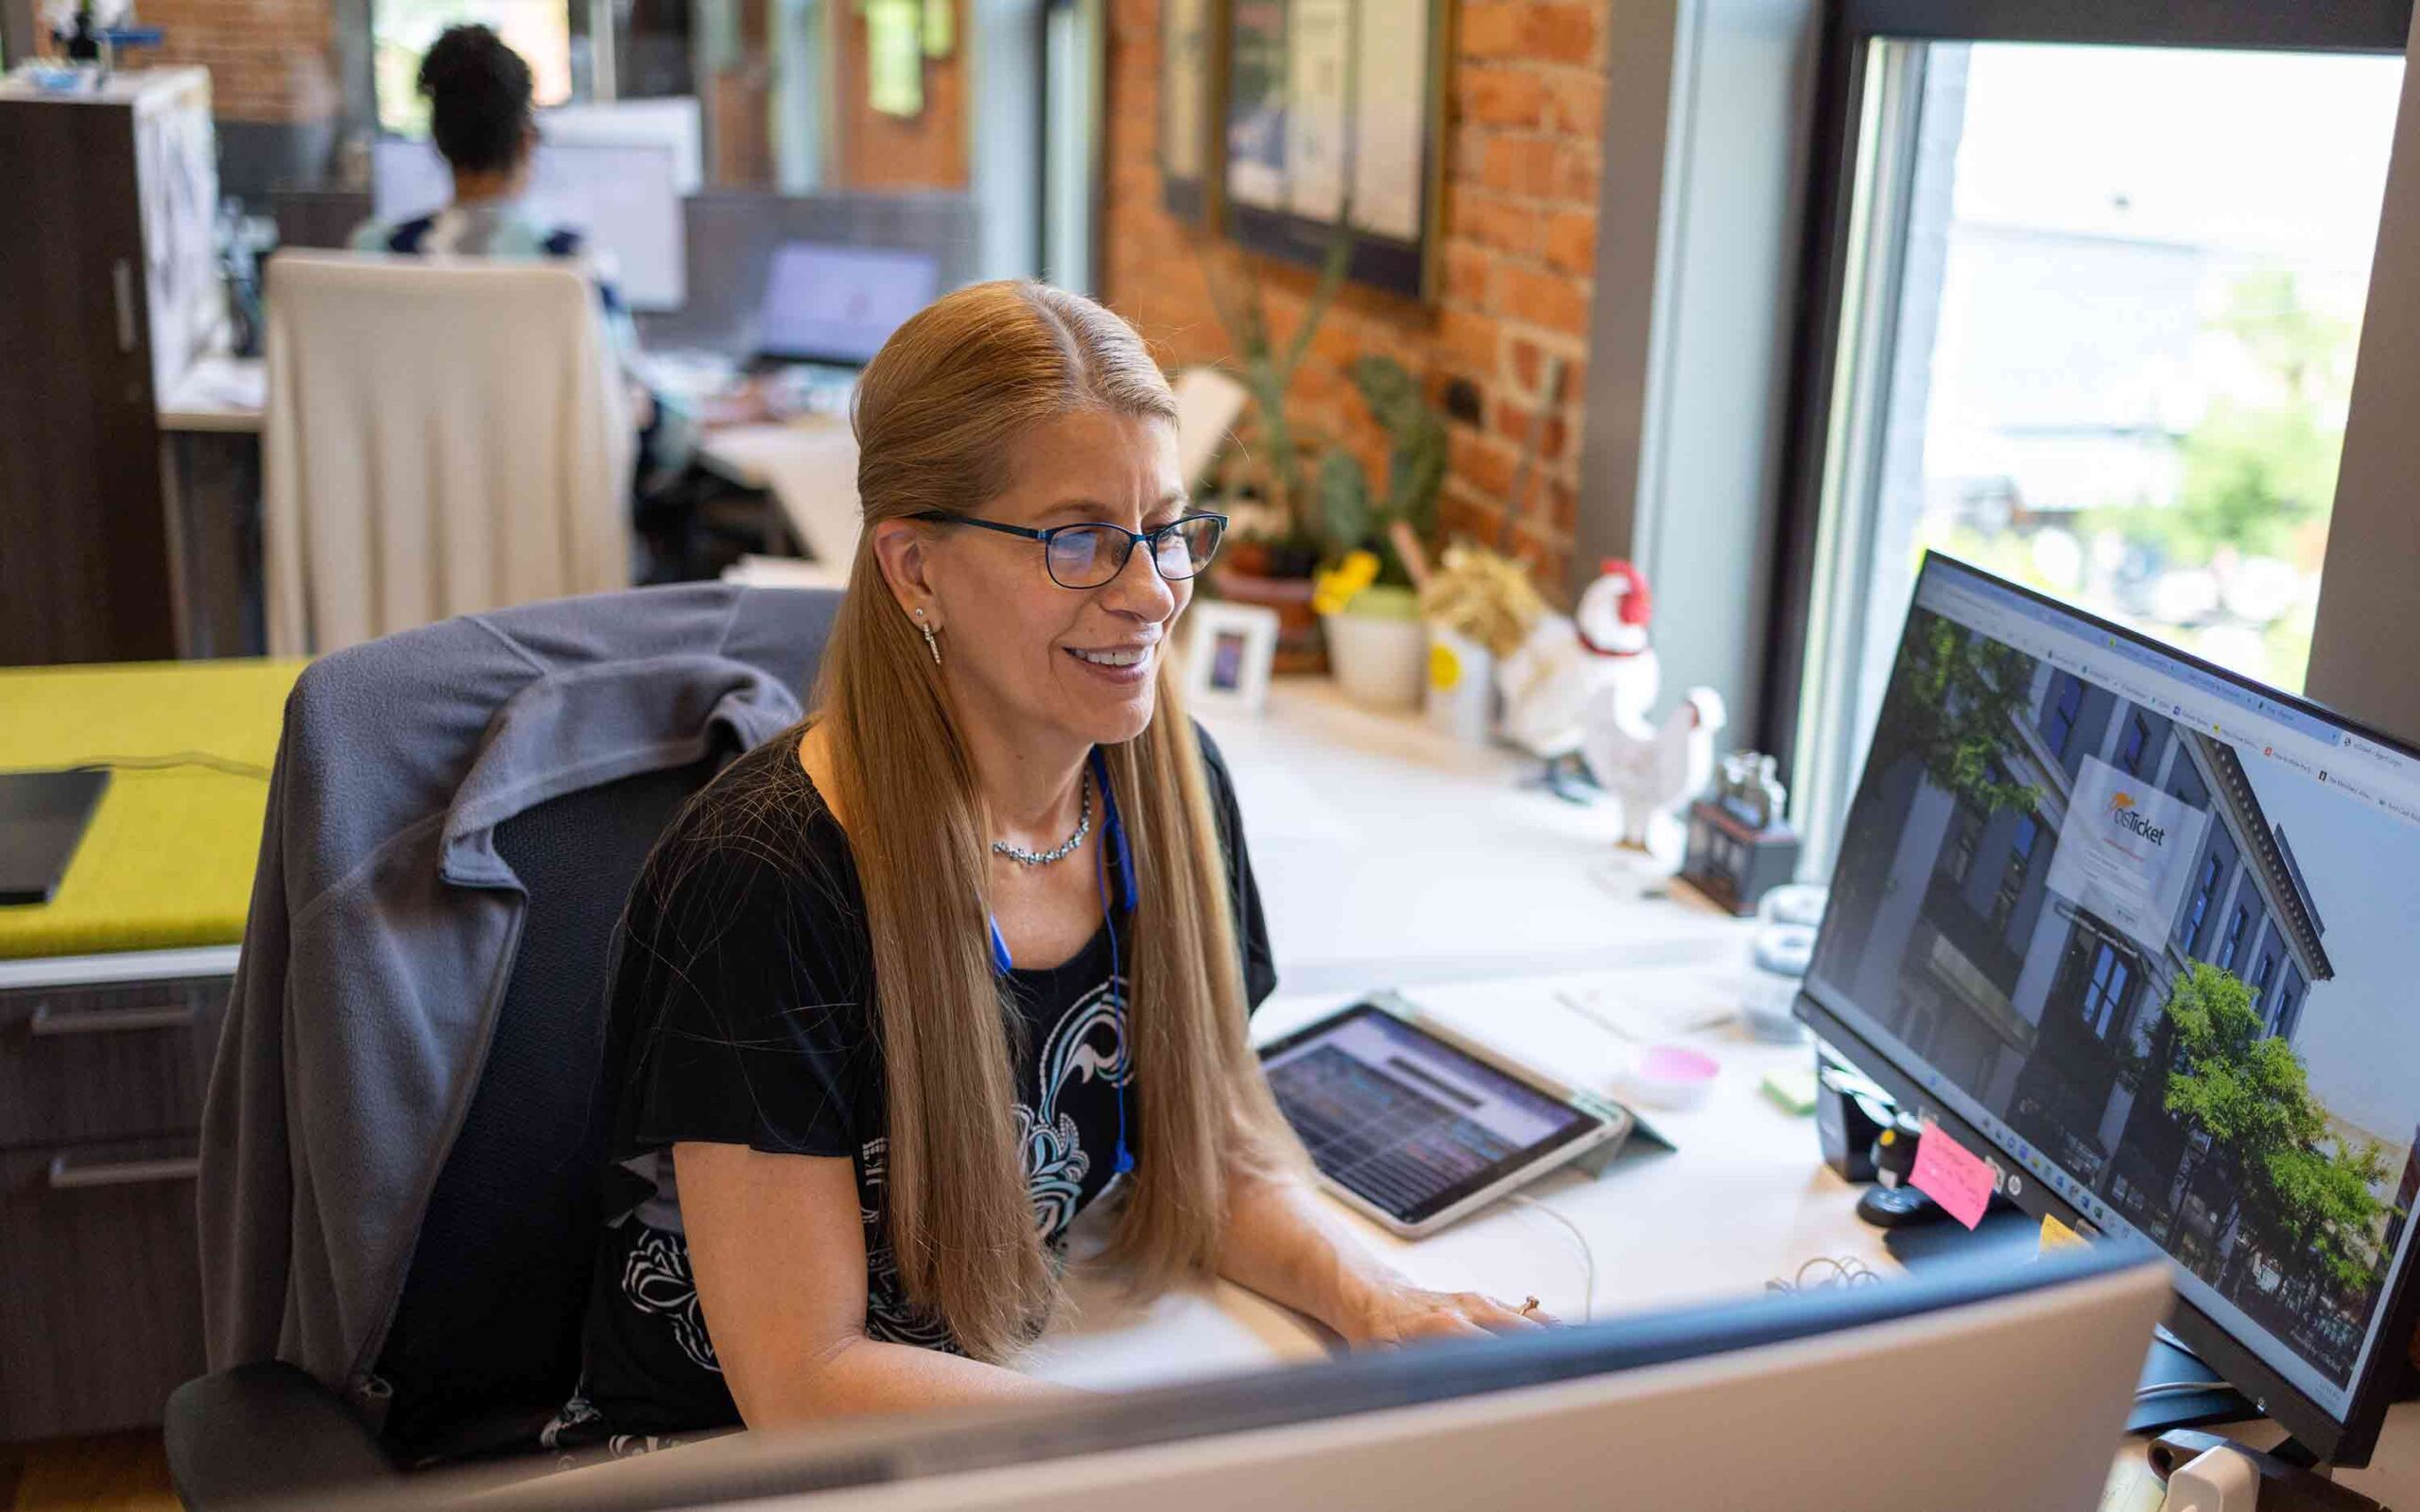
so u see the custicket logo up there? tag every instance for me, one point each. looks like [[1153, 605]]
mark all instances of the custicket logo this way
[[2121, 809]]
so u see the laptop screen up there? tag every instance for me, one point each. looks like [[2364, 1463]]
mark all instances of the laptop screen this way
[[827, 303]]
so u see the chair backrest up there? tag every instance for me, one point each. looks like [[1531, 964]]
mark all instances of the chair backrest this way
[[484, 1345], [486, 1339], [442, 436]]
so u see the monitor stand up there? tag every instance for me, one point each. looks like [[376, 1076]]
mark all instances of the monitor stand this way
[[2178, 1390]]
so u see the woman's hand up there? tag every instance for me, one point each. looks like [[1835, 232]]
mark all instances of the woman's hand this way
[[1399, 1313]]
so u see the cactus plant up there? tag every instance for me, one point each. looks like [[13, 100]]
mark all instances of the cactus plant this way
[[1267, 370], [1415, 470]]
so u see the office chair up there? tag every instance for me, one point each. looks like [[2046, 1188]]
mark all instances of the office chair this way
[[442, 436], [484, 1345]]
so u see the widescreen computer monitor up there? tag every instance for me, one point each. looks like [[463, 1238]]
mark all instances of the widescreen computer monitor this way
[[1995, 1386], [838, 304], [2141, 933], [623, 198]]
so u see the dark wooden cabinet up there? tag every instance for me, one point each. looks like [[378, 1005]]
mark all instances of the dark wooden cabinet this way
[[107, 278], [101, 1112], [104, 1316]]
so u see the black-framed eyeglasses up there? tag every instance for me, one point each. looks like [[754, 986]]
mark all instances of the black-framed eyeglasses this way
[[1093, 554]]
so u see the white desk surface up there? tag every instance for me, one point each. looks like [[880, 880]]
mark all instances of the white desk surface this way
[[217, 393], [1387, 856], [810, 467]]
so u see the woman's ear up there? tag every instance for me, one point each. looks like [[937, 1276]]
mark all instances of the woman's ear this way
[[903, 549]]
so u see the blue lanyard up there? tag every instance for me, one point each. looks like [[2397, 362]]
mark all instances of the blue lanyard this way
[[1112, 840]]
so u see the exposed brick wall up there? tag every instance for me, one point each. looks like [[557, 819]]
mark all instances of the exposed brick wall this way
[[1526, 98], [268, 59]]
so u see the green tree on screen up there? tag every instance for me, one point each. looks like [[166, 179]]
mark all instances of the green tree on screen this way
[[1956, 710], [2303, 1191]]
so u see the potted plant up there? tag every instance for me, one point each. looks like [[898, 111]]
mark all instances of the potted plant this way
[[1481, 607], [1272, 562], [1377, 646]]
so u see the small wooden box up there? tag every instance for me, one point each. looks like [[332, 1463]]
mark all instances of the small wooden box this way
[[1734, 863]]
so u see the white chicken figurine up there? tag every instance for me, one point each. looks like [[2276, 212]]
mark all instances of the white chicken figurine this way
[[1652, 768], [1556, 675], [1585, 687]]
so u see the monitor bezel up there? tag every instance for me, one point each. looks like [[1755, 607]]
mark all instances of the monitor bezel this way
[[2347, 1441]]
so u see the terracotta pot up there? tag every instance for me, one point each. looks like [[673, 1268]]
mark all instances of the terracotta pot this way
[[1300, 649]]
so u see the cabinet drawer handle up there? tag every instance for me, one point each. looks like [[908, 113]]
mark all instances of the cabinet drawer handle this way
[[48, 1021], [66, 1176], [122, 293]]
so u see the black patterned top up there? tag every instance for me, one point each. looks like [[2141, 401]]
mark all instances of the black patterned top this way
[[740, 1015]]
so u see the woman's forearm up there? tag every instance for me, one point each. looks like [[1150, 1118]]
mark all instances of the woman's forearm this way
[[1281, 1243], [859, 1375]]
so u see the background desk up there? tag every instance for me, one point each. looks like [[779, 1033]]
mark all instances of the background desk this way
[[110, 997], [809, 466], [210, 438]]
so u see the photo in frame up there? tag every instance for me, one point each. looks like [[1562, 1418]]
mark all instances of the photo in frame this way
[[1193, 59], [1331, 101], [1227, 655]]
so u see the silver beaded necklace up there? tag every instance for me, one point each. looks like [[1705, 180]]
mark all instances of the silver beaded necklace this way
[[1024, 857]]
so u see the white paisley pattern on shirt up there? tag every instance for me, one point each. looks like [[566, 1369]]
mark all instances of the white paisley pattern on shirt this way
[[1088, 1043], [656, 1279]]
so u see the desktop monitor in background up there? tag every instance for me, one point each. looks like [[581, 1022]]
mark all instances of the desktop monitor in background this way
[[839, 304], [2140, 933], [624, 197], [674, 122], [2000, 1386]]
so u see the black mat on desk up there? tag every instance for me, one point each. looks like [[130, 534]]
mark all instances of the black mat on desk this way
[[42, 818]]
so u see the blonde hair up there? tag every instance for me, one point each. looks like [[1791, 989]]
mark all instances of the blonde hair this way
[[937, 412]]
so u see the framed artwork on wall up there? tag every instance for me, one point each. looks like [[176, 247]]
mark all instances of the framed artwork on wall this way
[[1338, 102], [1193, 59]]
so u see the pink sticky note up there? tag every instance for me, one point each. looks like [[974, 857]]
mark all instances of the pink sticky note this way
[[1951, 1174]]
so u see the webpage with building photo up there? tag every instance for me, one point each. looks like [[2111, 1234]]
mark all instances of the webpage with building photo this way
[[2155, 931]]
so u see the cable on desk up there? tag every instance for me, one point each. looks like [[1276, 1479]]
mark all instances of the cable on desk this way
[[1587, 1253], [1846, 1271], [162, 764]]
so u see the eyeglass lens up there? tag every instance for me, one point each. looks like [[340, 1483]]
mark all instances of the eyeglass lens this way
[[1089, 556]]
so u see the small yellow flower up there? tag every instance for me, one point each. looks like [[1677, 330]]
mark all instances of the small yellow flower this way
[[1335, 588], [1444, 667]]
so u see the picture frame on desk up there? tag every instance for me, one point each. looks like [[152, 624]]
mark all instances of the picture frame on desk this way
[[1229, 650]]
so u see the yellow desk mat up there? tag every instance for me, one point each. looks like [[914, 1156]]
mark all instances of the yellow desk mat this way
[[169, 859]]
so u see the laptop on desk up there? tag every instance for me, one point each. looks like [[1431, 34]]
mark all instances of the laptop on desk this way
[[828, 308]]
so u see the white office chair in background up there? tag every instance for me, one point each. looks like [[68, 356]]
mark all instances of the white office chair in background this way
[[442, 437], [1208, 404]]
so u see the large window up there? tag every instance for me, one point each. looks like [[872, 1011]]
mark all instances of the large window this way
[[2204, 891], [2104, 993], [2090, 311]]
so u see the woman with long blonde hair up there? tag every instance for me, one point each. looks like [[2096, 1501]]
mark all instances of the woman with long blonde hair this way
[[900, 993]]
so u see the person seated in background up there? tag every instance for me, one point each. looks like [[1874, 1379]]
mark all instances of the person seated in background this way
[[479, 95]]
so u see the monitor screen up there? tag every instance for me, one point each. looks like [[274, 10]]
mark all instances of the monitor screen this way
[[624, 198], [2148, 929], [826, 304]]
